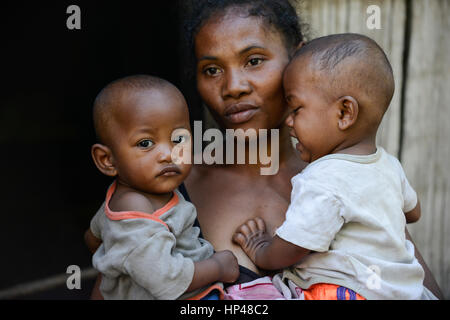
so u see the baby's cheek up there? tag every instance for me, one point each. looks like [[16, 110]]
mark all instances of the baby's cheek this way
[[185, 169]]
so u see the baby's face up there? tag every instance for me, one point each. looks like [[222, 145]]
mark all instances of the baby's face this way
[[312, 118], [143, 140]]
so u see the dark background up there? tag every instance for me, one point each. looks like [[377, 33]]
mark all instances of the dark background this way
[[50, 77]]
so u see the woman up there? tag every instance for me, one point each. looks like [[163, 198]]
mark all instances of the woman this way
[[241, 49]]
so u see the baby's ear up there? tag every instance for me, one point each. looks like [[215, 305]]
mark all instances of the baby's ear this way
[[103, 159], [348, 109]]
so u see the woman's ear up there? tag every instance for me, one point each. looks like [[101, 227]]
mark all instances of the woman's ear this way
[[348, 112], [103, 159], [301, 44]]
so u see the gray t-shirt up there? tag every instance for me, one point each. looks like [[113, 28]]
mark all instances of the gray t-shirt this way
[[148, 256], [349, 210]]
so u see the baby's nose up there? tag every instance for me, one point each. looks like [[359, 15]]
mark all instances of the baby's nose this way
[[289, 121], [165, 153]]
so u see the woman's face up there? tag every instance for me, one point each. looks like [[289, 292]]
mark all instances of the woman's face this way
[[240, 63]]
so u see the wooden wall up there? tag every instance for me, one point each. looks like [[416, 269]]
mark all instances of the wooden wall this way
[[416, 128]]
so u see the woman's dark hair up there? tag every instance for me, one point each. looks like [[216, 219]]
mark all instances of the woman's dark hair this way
[[277, 13]]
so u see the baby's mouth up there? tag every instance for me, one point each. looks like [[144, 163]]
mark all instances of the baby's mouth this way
[[299, 146], [169, 171]]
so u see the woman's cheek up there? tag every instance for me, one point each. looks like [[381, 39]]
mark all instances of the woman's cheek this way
[[271, 81], [275, 97], [207, 92]]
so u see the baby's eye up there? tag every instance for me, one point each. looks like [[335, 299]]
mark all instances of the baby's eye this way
[[296, 110], [179, 139], [255, 61], [212, 71], [145, 144]]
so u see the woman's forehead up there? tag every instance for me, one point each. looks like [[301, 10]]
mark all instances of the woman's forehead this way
[[235, 32]]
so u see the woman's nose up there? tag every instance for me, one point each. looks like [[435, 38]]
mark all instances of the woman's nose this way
[[236, 84]]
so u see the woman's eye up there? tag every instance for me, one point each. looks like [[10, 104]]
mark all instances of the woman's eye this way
[[145, 144], [179, 139], [212, 71], [255, 61]]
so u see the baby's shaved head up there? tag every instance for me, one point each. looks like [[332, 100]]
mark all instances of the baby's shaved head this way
[[354, 65], [110, 100]]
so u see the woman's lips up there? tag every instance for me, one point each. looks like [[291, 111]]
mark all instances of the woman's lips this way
[[239, 113]]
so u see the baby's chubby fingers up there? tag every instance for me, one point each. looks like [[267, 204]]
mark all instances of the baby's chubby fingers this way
[[241, 234], [260, 225], [243, 229], [239, 238], [251, 236], [252, 226], [247, 229]]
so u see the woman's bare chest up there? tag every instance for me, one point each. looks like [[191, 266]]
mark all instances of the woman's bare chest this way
[[223, 207]]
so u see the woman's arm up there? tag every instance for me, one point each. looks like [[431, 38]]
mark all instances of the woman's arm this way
[[429, 281], [96, 294], [266, 252], [92, 242]]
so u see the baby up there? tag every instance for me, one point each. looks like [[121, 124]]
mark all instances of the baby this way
[[344, 232], [150, 248]]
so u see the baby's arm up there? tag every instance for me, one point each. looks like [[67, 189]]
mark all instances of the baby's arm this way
[[414, 214], [269, 253], [222, 266]]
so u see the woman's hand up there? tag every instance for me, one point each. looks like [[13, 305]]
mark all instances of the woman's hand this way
[[92, 242]]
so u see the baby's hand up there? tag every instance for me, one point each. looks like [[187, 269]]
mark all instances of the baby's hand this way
[[251, 236], [229, 268]]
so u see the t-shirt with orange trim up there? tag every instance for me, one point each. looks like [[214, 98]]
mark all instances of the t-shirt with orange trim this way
[[149, 256]]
